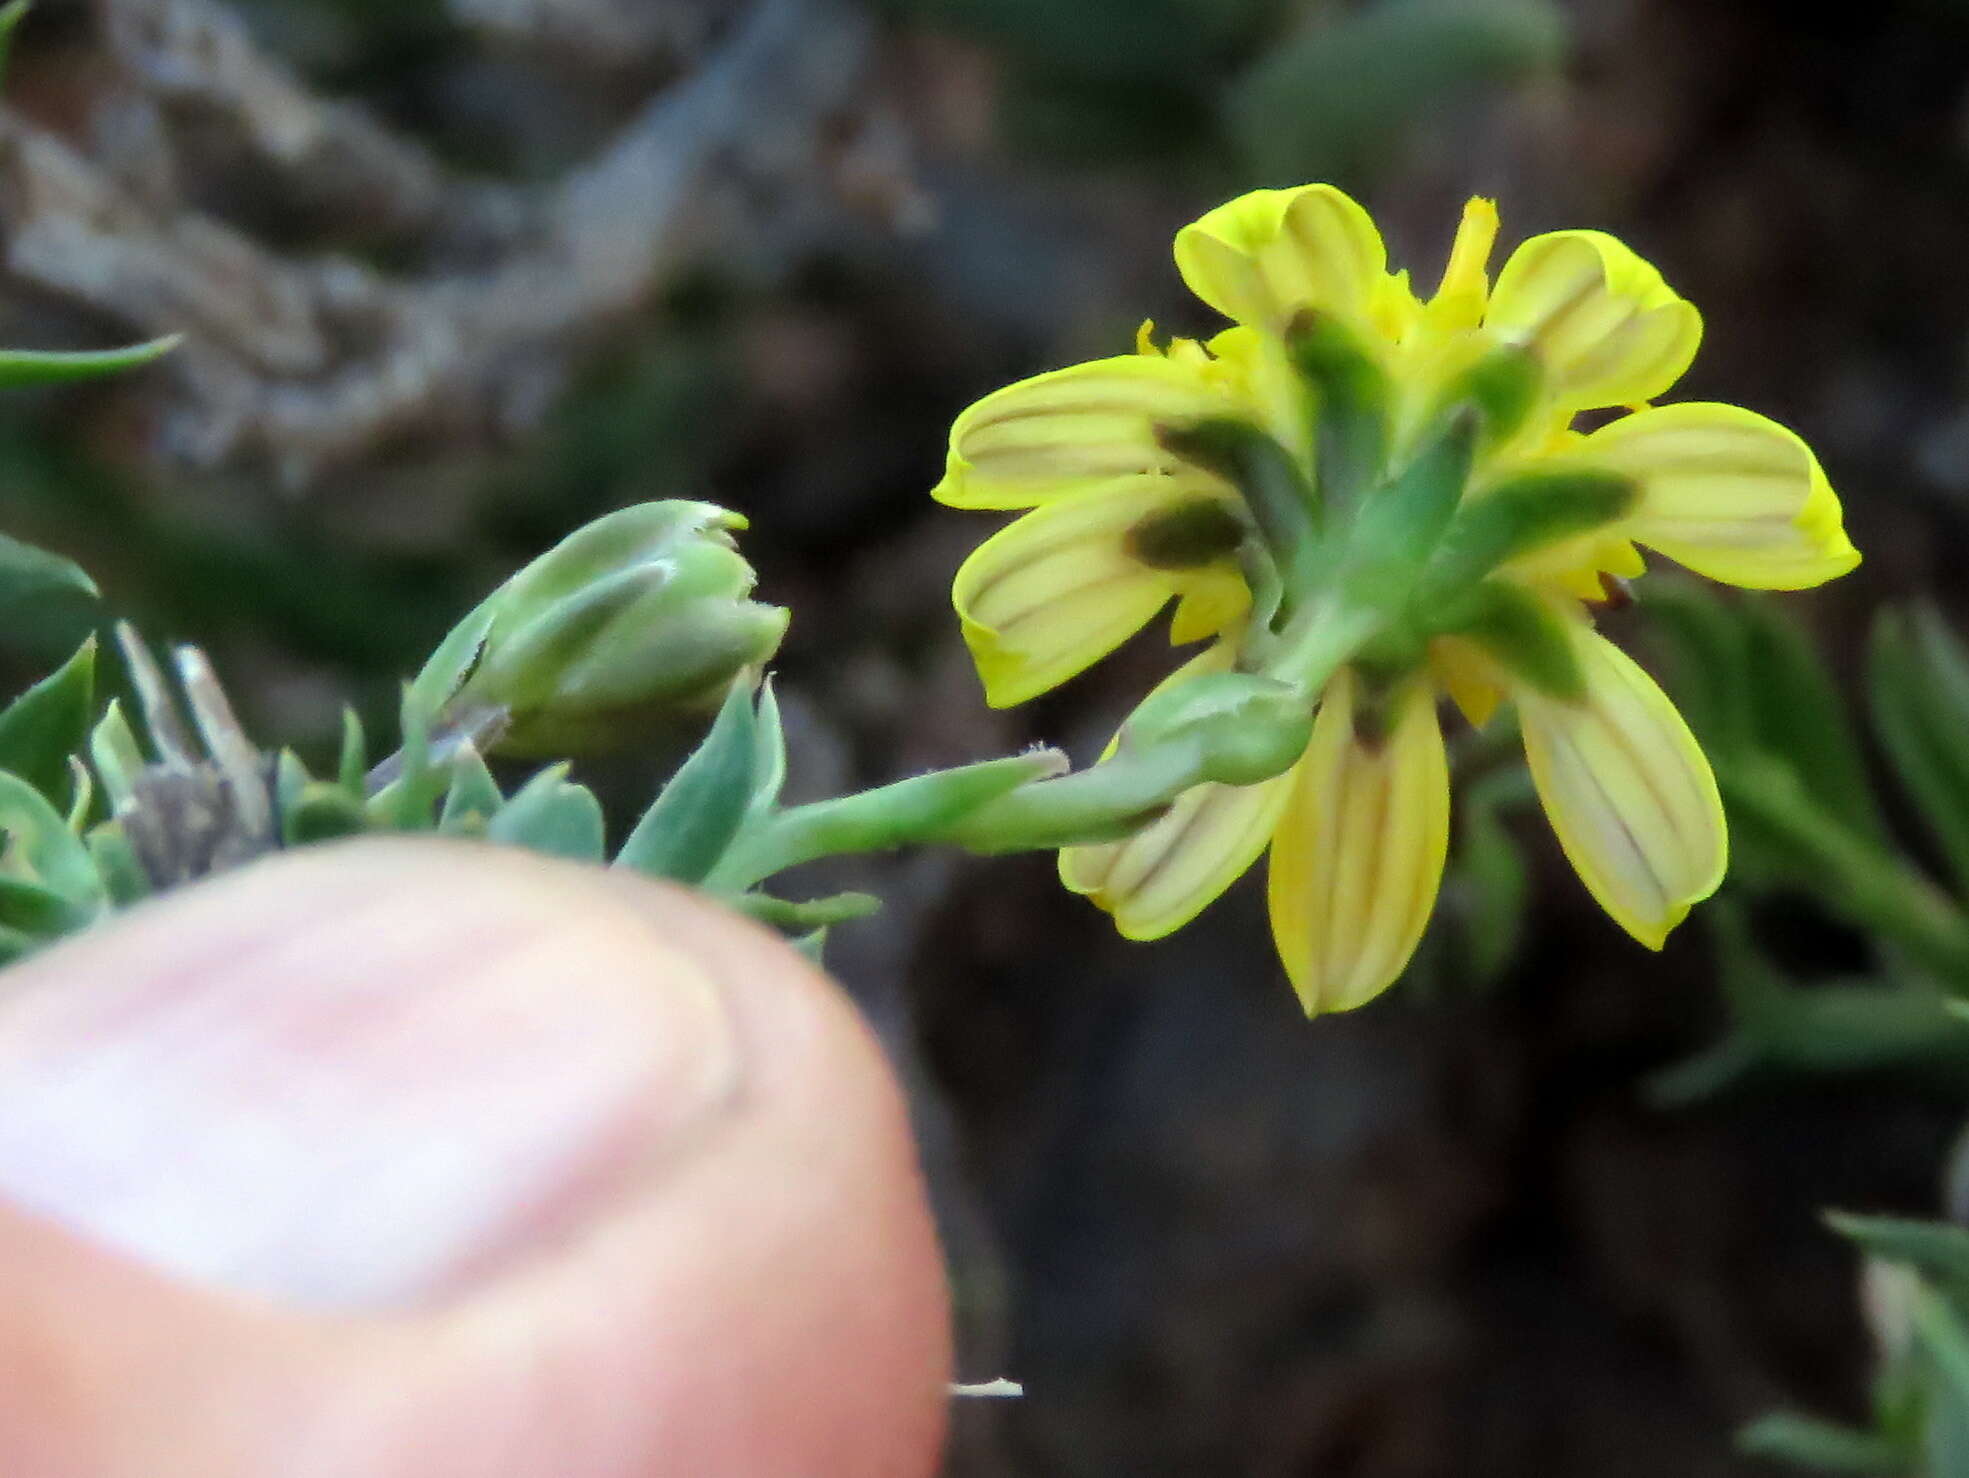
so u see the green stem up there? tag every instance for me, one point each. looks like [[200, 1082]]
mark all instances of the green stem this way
[[1318, 642], [1103, 803], [918, 809]]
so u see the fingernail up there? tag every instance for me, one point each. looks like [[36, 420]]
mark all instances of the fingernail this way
[[357, 1077]]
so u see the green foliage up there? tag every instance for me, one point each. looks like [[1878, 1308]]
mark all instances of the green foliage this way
[[1919, 1281], [1330, 101], [1279, 92], [50, 722]]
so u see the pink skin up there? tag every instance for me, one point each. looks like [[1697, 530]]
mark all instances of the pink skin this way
[[399, 1159]]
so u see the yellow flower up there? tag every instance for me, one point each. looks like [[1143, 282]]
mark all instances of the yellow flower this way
[[1383, 498]]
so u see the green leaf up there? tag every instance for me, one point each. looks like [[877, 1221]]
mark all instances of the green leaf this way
[[1800, 717], [1400, 525], [30, 577], [769, 774], [1351, 405], [1937, 1250], [409, 802], [41, 913], [25, 367], [1827, 1446], [1526, 511], [352, 764], [40, 849], [1521, 632], [474, 798], [49, 722], [698, 813], [445, 671], [1919, 682], [11, 15], [290, 778], [1943, 1337], [549, 814], [1708, 661], [117, 756]]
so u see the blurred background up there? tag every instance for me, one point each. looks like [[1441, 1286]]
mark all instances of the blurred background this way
[[459, 275]]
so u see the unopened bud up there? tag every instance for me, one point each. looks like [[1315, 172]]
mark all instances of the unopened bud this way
[[640, 617]]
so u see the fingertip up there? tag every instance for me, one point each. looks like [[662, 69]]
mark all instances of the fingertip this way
[[735, 1275]]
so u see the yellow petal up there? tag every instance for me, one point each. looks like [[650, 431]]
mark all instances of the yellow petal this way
[[1728, 493], [1059, 588], [1074, 428], [1470, 675], [1359, 852], [1607, 329], [1216, 600], [1266, 255], [1628, 792], [1459, 300]]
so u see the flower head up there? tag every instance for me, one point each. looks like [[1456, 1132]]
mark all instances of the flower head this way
[[1381, 498]]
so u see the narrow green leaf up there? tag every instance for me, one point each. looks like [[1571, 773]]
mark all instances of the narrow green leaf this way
[[695, 818], [1790, 1437], [82, 792], [1400, 525], [117, 756], [49, 722], [1708, 662], [409, 802], [1937, 1250], [549, 814], [1801, 718], [769, 772], [352, 765], [1922, 717], [24, 367], [1350, 407], [447, 668], [474, 798], [1523, 513]]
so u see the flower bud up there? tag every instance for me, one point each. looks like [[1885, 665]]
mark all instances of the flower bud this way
[[641, 616], [1249, 728]]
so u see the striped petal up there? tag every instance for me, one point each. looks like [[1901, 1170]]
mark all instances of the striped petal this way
[[1272, 253], [1074, 428], [1605, 326], [1728, 493], [1628, 792], [1061, 587], [1166, 874], [1359, 853]]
